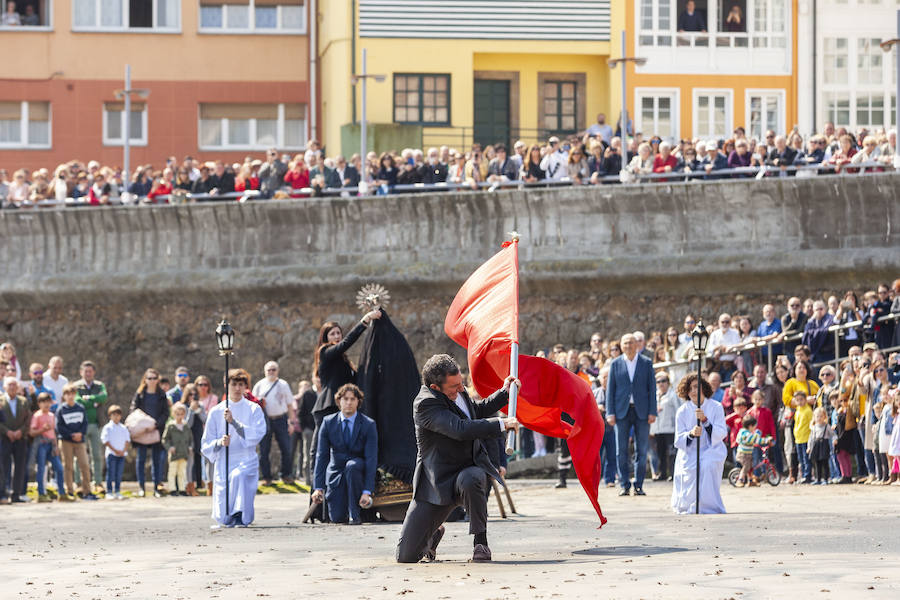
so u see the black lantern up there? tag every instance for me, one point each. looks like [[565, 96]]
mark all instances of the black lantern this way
[[225, 338], [700, 336]]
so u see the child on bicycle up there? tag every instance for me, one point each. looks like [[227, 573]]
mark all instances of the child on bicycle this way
[[748, 437], [821, 439]]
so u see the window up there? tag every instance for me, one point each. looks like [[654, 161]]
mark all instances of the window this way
[[657, 113], [114, 124], [765, 110], [31, 14], [252, 126], [869, 61], [712, 113], [252, 16], [423, 99], [656, 23], [870, 109], [24, 124], [837, 108], [156, 15], [836, 52], [559, 114]]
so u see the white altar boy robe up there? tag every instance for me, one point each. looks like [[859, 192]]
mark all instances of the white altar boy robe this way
[[712, 459], [245, 432]]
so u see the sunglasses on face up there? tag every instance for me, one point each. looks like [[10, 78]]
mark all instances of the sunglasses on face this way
[[203, 385], [152, 378]]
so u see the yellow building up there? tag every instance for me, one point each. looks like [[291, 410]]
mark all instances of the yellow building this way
[[463, 70], [458, 71]]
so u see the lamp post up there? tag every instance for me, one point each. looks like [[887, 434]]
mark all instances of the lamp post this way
[[225, 343], [364, 76], [612, 62], [699, 337], [886, 47], [126, 134]]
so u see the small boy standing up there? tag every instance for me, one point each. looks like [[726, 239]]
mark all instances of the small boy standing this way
[[71, 429], [43, 430], [803, 415], [177, 439], [115, 438]]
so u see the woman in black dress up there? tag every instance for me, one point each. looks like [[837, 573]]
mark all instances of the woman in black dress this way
[[334, 369], [152, 400]]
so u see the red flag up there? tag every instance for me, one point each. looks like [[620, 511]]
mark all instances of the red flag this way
[[484, 320]]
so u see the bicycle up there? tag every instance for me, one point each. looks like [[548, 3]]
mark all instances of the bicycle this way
[[772, 476]]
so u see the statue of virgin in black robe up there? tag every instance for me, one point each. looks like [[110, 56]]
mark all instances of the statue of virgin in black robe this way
[[389, 378]]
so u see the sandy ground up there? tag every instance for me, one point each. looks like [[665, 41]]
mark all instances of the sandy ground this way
[[820, 541]]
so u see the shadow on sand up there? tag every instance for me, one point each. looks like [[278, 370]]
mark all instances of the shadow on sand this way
[[621, 551]]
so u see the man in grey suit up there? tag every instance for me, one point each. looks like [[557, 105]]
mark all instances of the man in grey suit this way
[[453, 464], [631, 404]]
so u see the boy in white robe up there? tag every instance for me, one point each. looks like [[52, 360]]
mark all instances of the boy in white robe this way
[[710, 435], [246, 427]]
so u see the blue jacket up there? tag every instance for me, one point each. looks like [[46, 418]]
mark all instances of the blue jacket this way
[[363, 445], [69, 420], [620, 388]]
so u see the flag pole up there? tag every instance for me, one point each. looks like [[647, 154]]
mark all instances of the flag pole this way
[[513, 370]]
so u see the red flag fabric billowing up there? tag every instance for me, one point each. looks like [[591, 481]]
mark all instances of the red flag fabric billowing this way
[[484, 320]]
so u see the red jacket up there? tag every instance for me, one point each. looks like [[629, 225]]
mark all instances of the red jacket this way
[[764, 421], [734, 427], [659, 165]]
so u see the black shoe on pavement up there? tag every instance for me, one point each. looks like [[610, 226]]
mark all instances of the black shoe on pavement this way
[[623, 492], [639, 492], [481, 553]]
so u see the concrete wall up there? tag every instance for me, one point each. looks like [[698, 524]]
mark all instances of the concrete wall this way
[[144, 286], [573, 240]]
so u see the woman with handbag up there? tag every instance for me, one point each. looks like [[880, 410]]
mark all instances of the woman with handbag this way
[[150, 399]]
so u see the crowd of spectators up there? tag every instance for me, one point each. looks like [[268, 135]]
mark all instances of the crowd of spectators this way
[[592, 157], [44, 417], [860, 399]]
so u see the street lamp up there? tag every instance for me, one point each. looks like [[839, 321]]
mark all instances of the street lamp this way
[[364, 76], [886, 47], [225, 342], [699, 337], [126, 135], [612, 62]]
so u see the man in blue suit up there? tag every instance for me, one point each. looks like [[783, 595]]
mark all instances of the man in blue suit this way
[[350, 440], [631, 404]]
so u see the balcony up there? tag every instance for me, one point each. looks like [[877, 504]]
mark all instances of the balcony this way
[[759, 45]]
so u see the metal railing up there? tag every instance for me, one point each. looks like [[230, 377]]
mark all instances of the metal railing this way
[[756, 344], [691, 177]]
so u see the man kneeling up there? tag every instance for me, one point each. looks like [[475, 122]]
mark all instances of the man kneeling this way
[[350, 439], [452, 465]]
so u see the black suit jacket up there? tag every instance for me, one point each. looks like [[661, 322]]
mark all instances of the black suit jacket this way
[[448, 442]]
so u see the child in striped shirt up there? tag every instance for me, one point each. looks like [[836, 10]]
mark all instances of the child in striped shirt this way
[[747, 438]]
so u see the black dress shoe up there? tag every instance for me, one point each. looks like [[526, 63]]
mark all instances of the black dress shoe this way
[[355, 522], [623, 492], [431, 552], [560, 484], [481, 553], [639, 492]]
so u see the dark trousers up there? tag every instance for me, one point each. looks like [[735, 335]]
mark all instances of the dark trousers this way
[[157, 461], [13, 456], [641, 440], [423, 518], [196, 474], [301, 447], [343, 493], [279, 427], [608, 455], [664, 444], [823, 470], [114, 467]]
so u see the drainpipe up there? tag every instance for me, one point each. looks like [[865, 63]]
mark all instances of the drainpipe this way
[[815, 84], [313, 69]]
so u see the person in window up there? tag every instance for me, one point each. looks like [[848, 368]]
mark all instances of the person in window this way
[[734, 22], [691, 20], [11, 17], [31, 19]]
